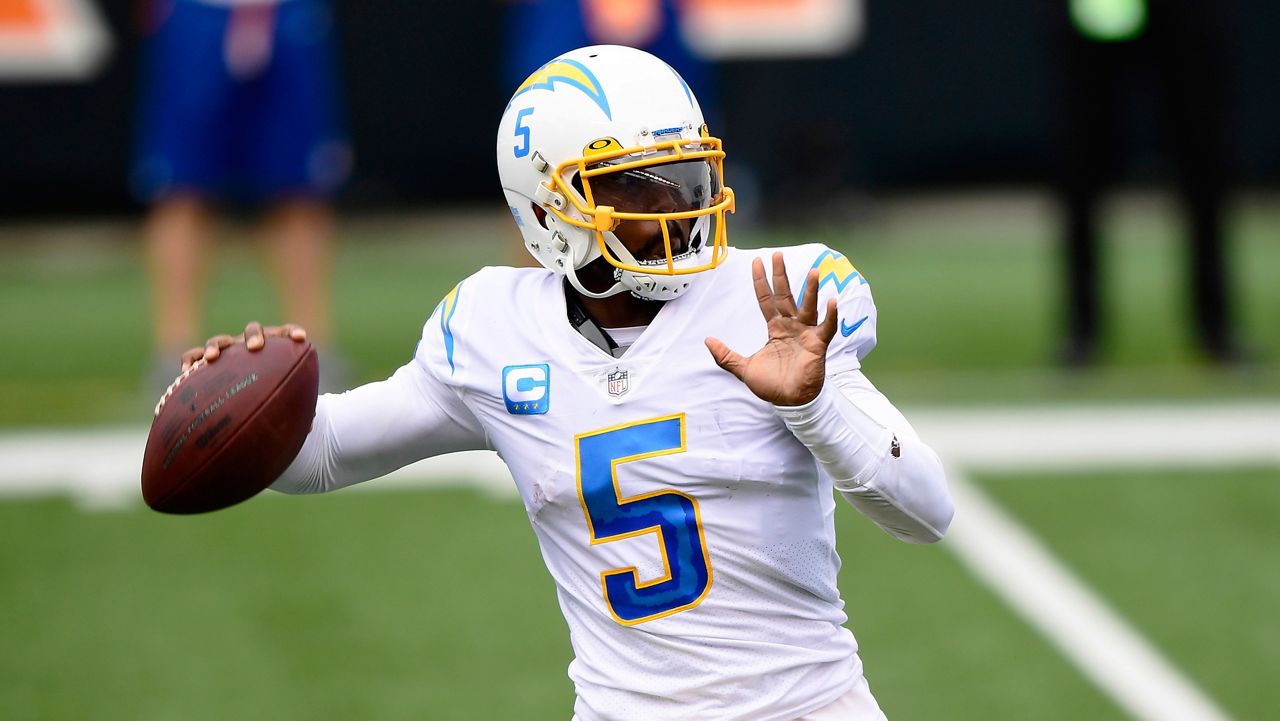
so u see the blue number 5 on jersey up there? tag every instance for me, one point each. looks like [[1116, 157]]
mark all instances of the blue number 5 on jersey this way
[[671, 515]]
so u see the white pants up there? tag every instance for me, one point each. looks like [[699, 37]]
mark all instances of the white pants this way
[[857, 705]]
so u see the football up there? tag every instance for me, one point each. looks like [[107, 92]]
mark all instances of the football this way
[[225, 430]]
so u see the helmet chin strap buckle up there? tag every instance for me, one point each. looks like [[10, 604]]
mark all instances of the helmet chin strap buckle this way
[[563, 250]]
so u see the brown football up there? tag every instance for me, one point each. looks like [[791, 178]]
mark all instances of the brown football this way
[[225, 430]]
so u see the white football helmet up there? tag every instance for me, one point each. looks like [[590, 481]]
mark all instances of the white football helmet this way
[[607, 143]]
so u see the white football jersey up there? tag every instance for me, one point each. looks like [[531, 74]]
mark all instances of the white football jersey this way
[[689, 534]]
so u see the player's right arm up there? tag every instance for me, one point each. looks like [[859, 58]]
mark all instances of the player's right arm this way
[[416, 413], [379, 427], [376, 428]]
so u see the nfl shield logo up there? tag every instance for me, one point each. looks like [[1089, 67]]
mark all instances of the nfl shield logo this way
[[619, 382]]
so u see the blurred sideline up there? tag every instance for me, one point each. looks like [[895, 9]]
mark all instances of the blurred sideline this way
[[1028, 214]]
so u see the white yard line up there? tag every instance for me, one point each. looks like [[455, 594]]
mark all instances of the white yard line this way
[[1078, 438], [100, 467], [1106, 649], [100, 470]]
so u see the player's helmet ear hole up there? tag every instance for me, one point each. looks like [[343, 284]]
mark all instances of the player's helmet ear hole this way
[[539, 213]]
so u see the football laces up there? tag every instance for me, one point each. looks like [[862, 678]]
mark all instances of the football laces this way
[[176, 382]]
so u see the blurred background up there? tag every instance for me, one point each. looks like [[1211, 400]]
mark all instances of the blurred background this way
[[1067, 210]]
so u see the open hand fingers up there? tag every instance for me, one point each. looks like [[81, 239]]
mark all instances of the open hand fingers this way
[[775, 298], [726, 357], [778, 300], [827, 329], [782, 297], [808, 313], [764, 294]]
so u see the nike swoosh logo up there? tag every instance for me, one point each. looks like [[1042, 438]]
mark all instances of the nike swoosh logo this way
[[847, 330]]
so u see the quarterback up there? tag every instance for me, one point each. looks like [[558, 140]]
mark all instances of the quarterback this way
[[677, 414]]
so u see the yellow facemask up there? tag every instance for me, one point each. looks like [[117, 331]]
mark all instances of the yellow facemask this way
[[682, 174]]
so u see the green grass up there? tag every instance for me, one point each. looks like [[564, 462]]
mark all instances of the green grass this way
[[413, 605], [416, 604], [967, 300], [1189, 557], [350, 608]]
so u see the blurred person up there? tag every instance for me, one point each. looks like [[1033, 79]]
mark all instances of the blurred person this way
[[239, 105], [681, 493], [1110, 49]]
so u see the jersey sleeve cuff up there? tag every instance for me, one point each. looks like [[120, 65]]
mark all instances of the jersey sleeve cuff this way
[[847, 443], [807, 412]]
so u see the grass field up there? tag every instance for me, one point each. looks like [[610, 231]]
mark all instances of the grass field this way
[[412, 605], [1189, 557], [435, 605], [968, 299]]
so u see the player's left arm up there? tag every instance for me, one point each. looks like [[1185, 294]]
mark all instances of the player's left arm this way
[[874, 458], [810, 370]]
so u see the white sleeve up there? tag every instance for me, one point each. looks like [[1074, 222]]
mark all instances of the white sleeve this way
[[874, 458], [376, 428]]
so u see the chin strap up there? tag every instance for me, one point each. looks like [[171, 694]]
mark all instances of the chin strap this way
[[659, 287], [571, 275], [619, 250], [632, 282]]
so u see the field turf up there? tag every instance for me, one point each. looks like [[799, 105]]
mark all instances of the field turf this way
[[431, 604], [1188, 557], [415, 605]]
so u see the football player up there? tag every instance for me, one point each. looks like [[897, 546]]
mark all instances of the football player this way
[[681, 492]]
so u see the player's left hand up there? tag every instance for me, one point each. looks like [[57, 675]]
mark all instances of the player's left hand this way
[[791, 367]]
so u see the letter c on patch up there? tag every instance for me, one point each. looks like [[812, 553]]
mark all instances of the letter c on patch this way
[[526, 389]]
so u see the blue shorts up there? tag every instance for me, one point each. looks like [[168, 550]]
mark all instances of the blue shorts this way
[[240, 103]]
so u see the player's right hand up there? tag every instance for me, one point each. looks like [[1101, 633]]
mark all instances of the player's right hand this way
[[254, 336]]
